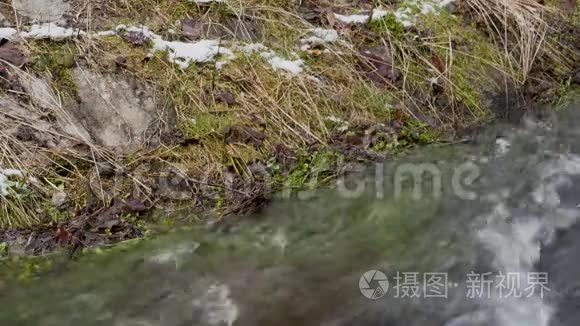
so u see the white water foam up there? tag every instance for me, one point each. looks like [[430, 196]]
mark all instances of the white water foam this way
[[516, 243]]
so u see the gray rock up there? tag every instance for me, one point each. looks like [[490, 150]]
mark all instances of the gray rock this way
[[45, 98], [42, 10], [27, 124], [59, 199], [115, 111]]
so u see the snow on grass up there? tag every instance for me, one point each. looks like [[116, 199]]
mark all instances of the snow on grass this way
[[406, 13], [184, 54], [352, 19], [50, 31], [41, 31], [7, 183], [181, 53], [325, 35], [320, 36], [291, 66], [276, 62], [7, 33], [377, 14]]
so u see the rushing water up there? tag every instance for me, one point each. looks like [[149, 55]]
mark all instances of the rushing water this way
[[498, 231]]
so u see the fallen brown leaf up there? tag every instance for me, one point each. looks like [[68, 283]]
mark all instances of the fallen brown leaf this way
[[11, 54], [438, 63], [378, 65], [244, 135], [226, 97]]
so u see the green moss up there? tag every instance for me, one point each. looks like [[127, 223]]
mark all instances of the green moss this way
[[417, 133], [388, 24], [55, 215], [56, 59], [25, 269], [3, 249], [313, 170]]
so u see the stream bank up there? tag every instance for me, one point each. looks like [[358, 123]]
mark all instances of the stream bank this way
[[115, 119]]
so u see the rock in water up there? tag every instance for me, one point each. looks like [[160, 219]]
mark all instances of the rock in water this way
[[41, 10]]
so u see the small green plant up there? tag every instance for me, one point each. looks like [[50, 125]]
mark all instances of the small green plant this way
[[313, 170], [388, 24], [3, 249]]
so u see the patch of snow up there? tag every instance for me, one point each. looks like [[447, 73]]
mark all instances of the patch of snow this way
[[327, 35], [427, 8], [340, 124], [6, 183], [379, 13], [352, 19], [8, 33], [220, 64], [50, 31], [291, 66], [181, 53], [403, 14], [277, 63], [405, 17], [184, 54], [321, 36], [13, 173]]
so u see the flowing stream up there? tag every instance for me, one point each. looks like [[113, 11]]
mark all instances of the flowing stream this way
[[488, 235]]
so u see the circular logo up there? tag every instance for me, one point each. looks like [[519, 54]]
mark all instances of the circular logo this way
[[373, 284]]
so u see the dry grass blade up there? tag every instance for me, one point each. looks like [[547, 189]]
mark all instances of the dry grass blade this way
[[520, 27]]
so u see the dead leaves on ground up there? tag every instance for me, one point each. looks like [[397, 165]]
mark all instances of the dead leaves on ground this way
[[135, 38], [378, 65], [244, 135], [11, 54]]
